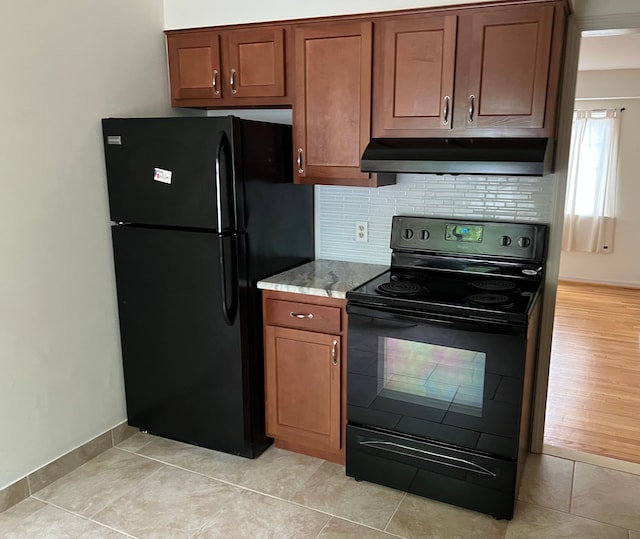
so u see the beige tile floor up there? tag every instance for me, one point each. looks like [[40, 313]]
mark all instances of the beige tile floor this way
[[150, 487]]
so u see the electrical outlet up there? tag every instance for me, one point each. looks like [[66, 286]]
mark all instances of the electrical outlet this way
[[362, 231]]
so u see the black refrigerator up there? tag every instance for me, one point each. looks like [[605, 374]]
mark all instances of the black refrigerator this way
[[202, 208]]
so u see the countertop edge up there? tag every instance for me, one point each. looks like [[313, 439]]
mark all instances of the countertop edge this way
[[326, 278]]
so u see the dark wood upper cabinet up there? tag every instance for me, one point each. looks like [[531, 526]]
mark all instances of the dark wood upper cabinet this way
[[503, 67], [239, 68], [503, 64], [255, 62], [414, 73], [194, 66], [332, 103]]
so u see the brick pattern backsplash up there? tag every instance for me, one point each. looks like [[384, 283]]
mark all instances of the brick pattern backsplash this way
[[474, 197]]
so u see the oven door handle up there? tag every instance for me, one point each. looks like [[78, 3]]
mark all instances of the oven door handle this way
[[419, 317], [430, 456]]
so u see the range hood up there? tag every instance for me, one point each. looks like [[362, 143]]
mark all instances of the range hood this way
[[481, 156]]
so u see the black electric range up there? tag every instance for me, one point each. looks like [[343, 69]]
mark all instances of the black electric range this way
[[440, 361]]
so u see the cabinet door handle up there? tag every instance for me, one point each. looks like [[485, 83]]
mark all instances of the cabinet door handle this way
[[334, 352], [300, 315], [472, 101], [214, 82], [232, 82], [445, 110], [299, 161]]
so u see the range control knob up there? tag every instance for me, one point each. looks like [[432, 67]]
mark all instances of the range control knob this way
[[424, 235], [407, 233], [524, 241], [505, 241]]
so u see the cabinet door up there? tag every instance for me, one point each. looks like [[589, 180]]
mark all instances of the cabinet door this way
[[194, 65], [414, 74], [332, 103], [503, 67], [255, 63], [302, 377]]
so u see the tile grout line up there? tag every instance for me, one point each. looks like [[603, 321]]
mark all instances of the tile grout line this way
[[227, 482], [403, 498], [323, 527], [332, 515], [198, 530], [581, 517], [28, 477], [573, 481], [88, 519], [127, 491], [272, 496], [384, 530]]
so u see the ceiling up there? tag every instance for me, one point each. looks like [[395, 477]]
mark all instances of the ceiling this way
[[607, 51]]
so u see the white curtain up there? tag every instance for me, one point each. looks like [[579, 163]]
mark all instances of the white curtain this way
[[591, 191]]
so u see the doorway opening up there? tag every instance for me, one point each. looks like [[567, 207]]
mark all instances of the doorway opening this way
[[593, 395]]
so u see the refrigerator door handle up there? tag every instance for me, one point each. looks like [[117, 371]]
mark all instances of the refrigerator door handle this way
[[225, 186], [228, 308]]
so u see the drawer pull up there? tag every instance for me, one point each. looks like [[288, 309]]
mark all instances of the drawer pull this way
[[300, 315], [334, 352]]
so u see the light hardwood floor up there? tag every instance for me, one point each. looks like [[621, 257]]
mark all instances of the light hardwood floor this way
[[593, 402]]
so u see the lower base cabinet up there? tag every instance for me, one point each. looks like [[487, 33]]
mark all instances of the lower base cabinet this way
[[305, 372]]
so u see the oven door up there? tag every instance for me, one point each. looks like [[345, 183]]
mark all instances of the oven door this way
[[436, 378]]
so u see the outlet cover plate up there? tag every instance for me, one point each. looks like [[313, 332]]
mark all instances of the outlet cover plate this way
[[362, 231]]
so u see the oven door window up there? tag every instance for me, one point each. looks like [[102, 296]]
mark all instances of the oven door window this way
[[456, 382], [441, 377]]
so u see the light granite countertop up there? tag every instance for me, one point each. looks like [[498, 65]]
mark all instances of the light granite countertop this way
[[329, 278]]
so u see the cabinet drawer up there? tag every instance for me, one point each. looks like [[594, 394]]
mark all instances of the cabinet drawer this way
[[299, 315]]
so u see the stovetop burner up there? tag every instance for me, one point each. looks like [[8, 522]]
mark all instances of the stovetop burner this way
[[400, 289], [402, 276], [494, 285], [490, 300]]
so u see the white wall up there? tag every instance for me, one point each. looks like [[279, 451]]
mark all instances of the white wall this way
[[604, 8], [622, 266], [195, 13], [64, 66]]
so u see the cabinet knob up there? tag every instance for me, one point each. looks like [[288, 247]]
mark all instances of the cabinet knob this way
[[214, 82], [232, 81], [334, 352], [472, 102], [299, 161], [445, 110], [301, 315]]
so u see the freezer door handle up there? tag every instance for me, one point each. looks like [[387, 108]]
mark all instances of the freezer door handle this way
[[225, 187], [228, 271]]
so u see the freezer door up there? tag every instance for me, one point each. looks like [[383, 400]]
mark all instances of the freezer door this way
[[186, 365], [175, 172]]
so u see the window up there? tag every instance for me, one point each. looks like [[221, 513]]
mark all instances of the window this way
[[591, 190]]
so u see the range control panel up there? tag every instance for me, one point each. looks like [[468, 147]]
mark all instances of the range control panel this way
[[518, 241]]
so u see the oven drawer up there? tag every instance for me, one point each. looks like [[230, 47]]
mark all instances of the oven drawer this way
[[299, 315], [438, 471]]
